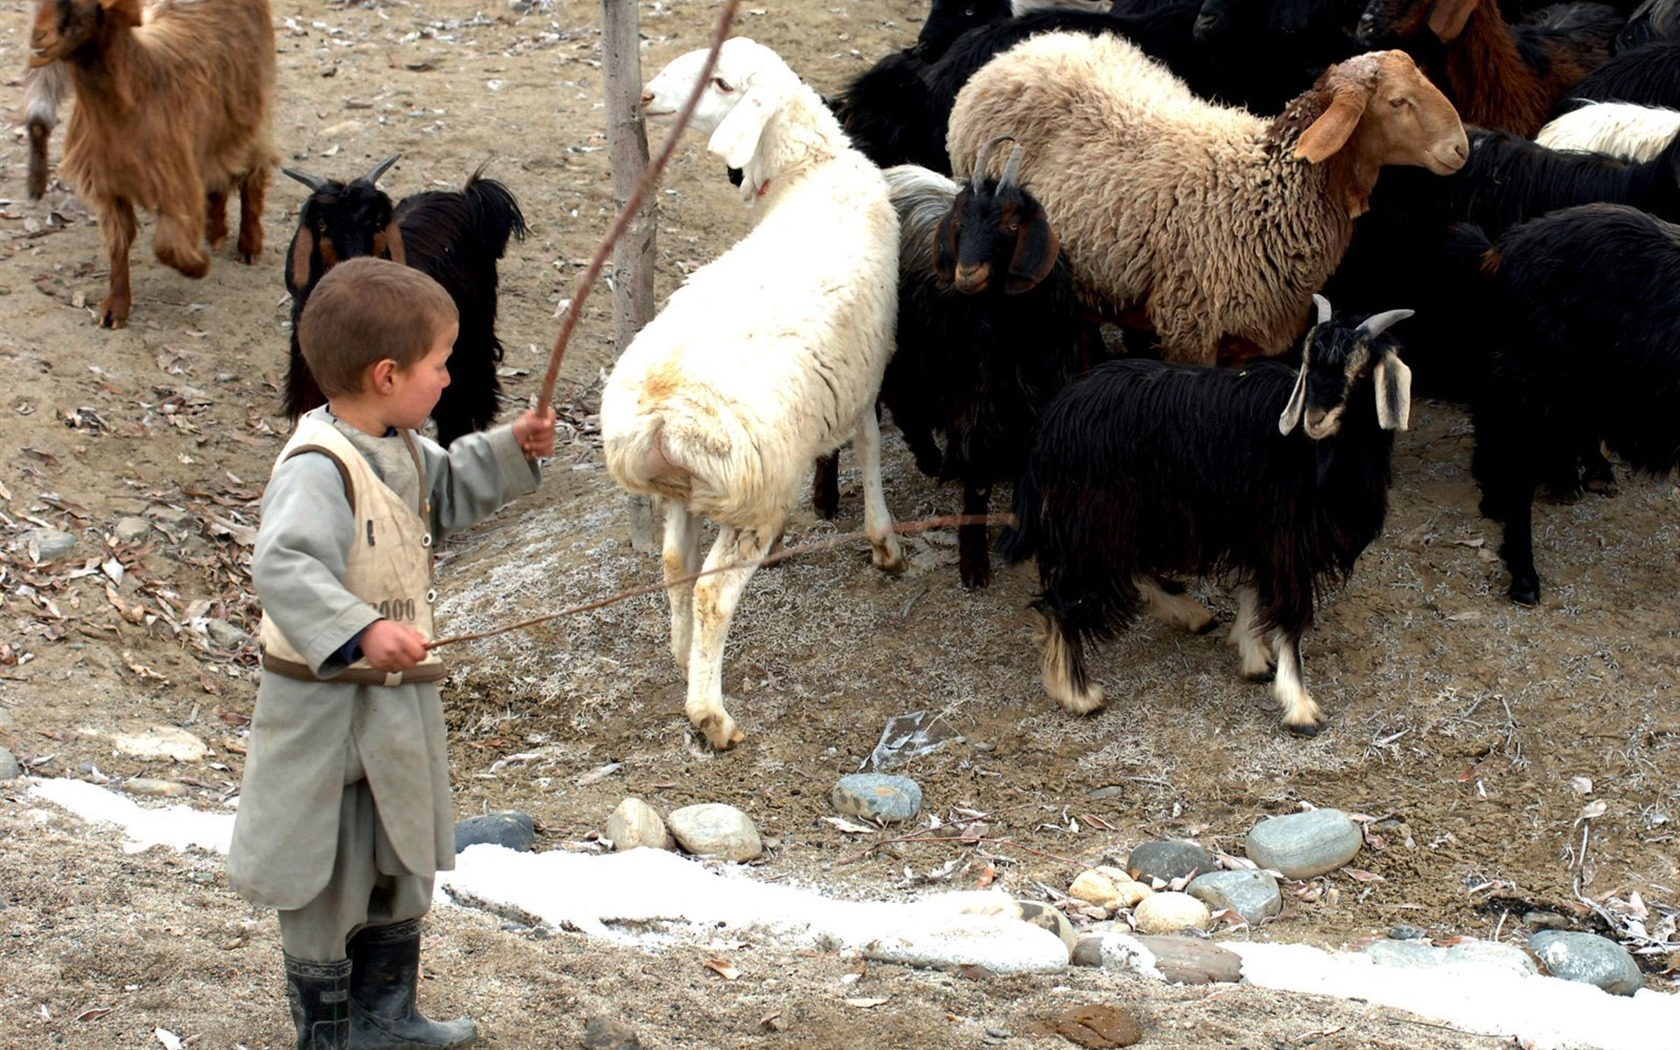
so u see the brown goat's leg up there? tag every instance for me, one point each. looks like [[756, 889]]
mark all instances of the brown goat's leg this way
[[251, 194], [215, 219], [117, 227], [179, 242]]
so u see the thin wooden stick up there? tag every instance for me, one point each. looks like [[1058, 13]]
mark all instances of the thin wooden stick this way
[[726, 18], [903, 528]]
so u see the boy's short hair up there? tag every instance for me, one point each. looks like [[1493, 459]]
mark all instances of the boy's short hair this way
[[364, 311]]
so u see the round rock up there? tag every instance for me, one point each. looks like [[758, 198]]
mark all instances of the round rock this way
[[878, 796], [510, 828], [151, 788], [717, 830], [1588, 958], [1301, 845], [1252, 894], [635, 823], [1506, 957], [50, 544], [157, 743], [1168, 860], [1409, 955], [131, 528], [9, 768], [1096, 888], [225, 635], [1170, 912]]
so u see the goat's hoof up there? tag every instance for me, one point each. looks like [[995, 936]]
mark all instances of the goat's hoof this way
[[1260, 677], [1306, 730], [1525, 592], [1082, 703], [894, 562], [978, 578], [720, 732], [112, 315], [249, 256], [1605, 487]]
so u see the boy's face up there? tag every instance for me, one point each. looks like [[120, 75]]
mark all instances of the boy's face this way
[[416, 389]]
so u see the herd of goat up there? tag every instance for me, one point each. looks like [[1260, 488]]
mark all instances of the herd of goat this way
[[1084, 248]]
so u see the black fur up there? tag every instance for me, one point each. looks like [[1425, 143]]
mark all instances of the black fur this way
[[1647, 75], [1584, 346], [1145, 468]]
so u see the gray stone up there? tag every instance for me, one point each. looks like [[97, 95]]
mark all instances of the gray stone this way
[[1252, 894], [1169, 860], [9, 768], [150, 788], [1087, 951], [178, 523], [1491, 953], [715, 829], [877, 796], [1404, 932], [606, 1034], [635, 823], [1410, 955], [509, 828], [131, 529], [1301, 845], [225, 635], [1588, 958], [50, 544], [1545, 920]]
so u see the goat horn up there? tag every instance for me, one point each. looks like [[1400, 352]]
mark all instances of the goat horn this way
[[1012, 166], [381, 168], [315, 183], [1323, 305], [985, 158], [1377, 324]]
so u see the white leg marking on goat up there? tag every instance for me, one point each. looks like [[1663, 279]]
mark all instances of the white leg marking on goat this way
[[681, 557], [1300, 714], [715, 599], [1256, 661], [1179, 609], [877, 519], [1056, 667]]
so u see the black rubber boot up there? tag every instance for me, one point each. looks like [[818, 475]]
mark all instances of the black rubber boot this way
[[319, 994], [384, 969]]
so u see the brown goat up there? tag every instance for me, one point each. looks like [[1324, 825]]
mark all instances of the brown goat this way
[[1498, 75], [172, 114]]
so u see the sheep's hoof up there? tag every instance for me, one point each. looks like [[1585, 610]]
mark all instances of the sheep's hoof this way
[[720, 731]]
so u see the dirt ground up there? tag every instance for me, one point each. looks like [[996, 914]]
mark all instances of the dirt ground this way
[[1460, 723]]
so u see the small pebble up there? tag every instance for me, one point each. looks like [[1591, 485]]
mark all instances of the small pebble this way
[[9, 768], [999, 1033], [225, 635], [512, 829], [1301, 845], [150, 788], [603, 1033], [715, 829], [1406, 954], [1545, 920], [1588, 958], [1407, 933], [1096, 888], [1252, 894], [878, 796], [1170, 912], [50, 544], [131, 529], [635, 823], [1168, 860]]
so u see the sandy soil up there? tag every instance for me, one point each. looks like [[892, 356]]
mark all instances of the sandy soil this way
[[1456, 719]]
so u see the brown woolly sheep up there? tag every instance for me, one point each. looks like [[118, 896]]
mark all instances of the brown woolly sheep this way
[[1217, 224], [1499, 76], [172, 114]]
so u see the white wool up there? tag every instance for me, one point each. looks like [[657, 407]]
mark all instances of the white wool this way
[[1622, 129]]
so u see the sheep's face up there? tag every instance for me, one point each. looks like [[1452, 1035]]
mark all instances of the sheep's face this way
[[1383, 110], [62, 26], [1396, 21], [1337, 363], [741, 64]]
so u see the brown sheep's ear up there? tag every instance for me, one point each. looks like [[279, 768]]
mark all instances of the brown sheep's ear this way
[[388, 244], [1036, 248], [1335, 125], [1447, 17], [945, 247]]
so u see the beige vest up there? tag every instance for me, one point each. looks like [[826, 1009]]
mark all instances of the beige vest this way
[[390, 562]]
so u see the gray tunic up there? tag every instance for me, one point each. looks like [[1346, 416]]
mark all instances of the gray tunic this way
[[303, 733]]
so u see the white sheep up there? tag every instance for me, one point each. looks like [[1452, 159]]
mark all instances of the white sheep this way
[[765, 358], [1218, 224], [1623, 129]]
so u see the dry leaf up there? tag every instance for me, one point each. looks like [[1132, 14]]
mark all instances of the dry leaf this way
[[1358, 875], [142, 670], [722, 968], [848, 827], [97, 1011], [1592, 810], [866, 1004]]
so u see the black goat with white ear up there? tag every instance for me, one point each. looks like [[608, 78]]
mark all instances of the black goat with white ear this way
[[1273, 477], [454, 237]]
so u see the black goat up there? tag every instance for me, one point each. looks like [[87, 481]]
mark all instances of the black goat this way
[[1651, 20], [1647, 75], [454, 237], [1584, 346], [1276, 477]]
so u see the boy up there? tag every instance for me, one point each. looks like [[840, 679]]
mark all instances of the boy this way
[[345, 812]]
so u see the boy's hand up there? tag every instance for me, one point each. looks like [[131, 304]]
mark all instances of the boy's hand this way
[[535, 431], [390, 646]]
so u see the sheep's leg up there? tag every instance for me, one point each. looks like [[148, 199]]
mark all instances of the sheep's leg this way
[[715, 598], [877, 520], [1062, 666], [251, 194], [974, 563], [681, 558], [215, 219], [1256, 661], [117, 226], [1166, 600], [1301, 715], [825, 484]]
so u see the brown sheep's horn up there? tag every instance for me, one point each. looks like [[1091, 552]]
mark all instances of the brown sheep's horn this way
[[1012, 167], [381, 168], [315, 183], [985, 158]]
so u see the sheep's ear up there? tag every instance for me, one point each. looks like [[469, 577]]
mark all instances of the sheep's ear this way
[[945, 246], [736, 138], [1036, 248], [1447, 17], [1297, 405], [388, 244], [1334, 126], [1393, 381]]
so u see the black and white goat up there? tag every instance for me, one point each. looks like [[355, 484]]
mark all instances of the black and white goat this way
[[1274, 477], [453, 236], [1586, 347]]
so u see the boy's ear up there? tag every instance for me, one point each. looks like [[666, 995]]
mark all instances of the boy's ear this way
[[381, 374]]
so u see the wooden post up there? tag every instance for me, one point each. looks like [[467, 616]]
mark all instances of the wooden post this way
[[627, 153]]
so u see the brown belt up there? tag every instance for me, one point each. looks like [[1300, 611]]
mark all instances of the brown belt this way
[[426, 672]]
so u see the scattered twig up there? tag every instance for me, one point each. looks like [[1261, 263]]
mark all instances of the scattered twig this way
[[964, 840]]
